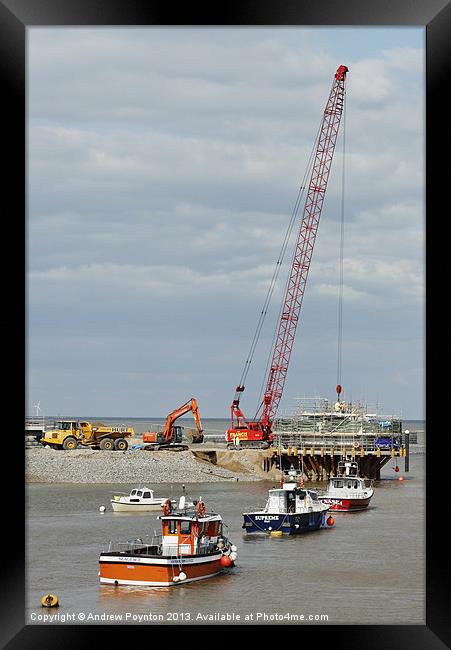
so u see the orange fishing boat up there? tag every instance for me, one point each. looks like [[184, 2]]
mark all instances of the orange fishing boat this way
[[192, 546]]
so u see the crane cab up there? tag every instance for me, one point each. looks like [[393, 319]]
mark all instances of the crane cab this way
[[250, 434]]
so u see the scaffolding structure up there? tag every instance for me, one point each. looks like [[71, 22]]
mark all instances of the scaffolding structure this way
[[316, 422]]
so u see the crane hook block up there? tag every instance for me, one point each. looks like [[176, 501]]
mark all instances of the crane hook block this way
[[239, 389], [340, 74]]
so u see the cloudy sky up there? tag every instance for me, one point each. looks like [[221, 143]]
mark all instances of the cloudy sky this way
[[163, 167]]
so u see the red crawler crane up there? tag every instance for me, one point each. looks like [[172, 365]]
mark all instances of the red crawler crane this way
[[257, 433]]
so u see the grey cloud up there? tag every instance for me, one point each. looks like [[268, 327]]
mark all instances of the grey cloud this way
[[163, 167]]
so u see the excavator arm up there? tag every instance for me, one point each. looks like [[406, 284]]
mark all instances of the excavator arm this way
[[170, 437], [191, 405]]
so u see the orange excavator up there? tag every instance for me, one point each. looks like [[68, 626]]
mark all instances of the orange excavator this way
[[171, 436]]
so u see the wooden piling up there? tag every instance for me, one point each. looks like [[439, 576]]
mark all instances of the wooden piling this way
[[406, 451], [320, 463], [317, 467]]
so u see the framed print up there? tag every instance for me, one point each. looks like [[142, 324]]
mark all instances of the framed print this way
[[165, 272]]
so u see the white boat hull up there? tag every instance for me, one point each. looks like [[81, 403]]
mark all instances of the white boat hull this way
[[120, 506]]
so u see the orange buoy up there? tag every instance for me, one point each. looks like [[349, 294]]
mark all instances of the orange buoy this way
[[330, 520], [226, 561]]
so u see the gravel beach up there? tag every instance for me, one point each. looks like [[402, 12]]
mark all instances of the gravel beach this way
[[44, 465]]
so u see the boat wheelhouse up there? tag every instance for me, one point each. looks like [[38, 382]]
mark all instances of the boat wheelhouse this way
[[192, 546]]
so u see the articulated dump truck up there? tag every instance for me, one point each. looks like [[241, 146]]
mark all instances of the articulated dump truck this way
[[69, 434]]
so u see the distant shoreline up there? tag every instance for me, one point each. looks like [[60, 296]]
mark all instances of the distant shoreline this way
[[149, 418]]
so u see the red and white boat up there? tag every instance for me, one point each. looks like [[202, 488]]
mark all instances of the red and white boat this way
[[347, 491], [192, 546]]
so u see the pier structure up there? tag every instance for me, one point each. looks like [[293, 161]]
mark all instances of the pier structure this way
[[34, 430], [319, 434]]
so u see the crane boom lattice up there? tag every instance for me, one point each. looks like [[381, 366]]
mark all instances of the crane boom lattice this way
[[304, 248], [259, 430]]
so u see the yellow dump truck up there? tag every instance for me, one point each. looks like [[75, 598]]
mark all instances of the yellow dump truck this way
[[68, 434]]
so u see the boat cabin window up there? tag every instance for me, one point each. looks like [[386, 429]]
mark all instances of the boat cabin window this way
[[202, 528], [133, 493], [338, 484], [314, 496], [185, 527], [172, 527], [356, 485], [291, 498], [139, 493], [146, 495], [349, 484], [214, 528]]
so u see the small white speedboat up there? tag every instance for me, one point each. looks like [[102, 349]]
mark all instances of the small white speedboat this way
[[139, 500]]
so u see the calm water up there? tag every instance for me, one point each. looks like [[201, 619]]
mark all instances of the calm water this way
[[368, 569]]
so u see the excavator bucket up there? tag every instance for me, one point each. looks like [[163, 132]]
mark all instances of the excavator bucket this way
[[194, 437]]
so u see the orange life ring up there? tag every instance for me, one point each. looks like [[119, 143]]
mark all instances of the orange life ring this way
[[167, 507], [200, 509], [356, 444]]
